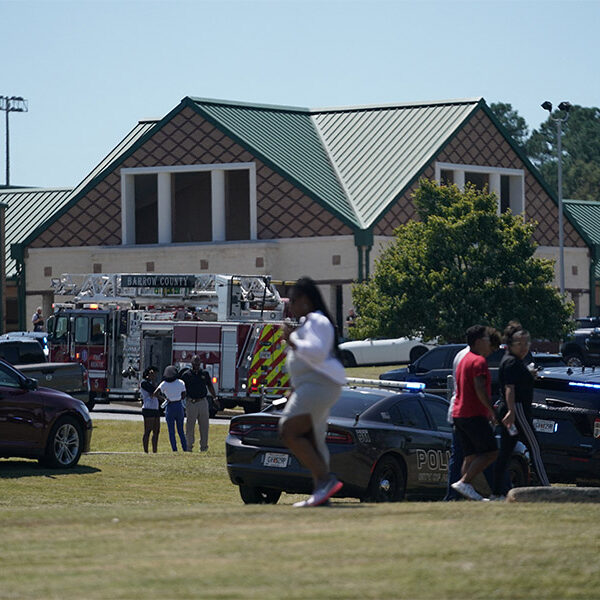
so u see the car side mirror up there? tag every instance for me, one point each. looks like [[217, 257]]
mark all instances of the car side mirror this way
[[412, 368], [30, 384]]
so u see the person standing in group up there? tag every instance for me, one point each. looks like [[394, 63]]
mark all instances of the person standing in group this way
[[150, 410], [197, 385], [473, 411], [317, 376], [172, 391], [38, 320], [456, 454], [516, 391]]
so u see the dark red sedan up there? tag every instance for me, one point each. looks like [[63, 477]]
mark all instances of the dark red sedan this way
[[39, 422]]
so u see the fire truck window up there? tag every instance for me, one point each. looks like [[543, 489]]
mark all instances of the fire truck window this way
[[192, 207], [237, 205], [98, 327], [60, 331], [81, 330]]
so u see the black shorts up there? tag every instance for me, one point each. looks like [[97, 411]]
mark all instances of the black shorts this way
[[151, 412], [475, 435]]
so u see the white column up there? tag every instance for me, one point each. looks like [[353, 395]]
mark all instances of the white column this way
[[517, 195], [459, 180], [164, 208], [127, 209], [495, 187], [253, 212], [218, 205]]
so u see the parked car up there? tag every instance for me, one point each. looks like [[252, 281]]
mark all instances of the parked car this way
[[382, 351], [40, 422], [566, 414], [582, 347], [434, 366], [385, 445], [28, 352]]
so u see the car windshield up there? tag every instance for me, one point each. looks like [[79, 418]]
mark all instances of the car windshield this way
[[355, 402], [351, 403]]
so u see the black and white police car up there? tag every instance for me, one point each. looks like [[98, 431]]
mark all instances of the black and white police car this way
[[386, 444]]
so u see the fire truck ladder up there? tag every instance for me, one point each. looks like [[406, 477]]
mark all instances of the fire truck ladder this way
[[142, 289]]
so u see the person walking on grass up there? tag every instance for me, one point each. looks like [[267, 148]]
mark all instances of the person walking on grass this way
[[516, 395], [197, 386], [473, 411], [172, 391], [456, 454], [317, 376], [150, 410]]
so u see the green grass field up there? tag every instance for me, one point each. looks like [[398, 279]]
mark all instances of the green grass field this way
[[130, 525]]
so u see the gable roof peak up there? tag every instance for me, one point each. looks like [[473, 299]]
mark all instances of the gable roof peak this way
[[246, 105], [393, 105]]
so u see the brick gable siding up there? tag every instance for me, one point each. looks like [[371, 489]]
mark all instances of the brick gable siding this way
[[283, 211], [480, 143]]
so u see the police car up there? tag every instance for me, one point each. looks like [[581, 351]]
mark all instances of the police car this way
[[386, 445], [566, 418]]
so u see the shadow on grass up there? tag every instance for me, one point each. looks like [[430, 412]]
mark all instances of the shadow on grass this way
[[15, 469]]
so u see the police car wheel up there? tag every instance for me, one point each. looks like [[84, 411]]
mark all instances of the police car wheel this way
[[256, 495], [573, 360], [517, 473], [388, 482]]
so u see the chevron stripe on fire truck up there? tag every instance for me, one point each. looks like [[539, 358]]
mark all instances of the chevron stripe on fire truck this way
[[269, 356]]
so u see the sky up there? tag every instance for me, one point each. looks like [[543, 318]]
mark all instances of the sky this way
[[91, 69]]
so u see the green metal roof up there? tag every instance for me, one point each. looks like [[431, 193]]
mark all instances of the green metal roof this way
[[356, 161], [26, 209], [586, 215]]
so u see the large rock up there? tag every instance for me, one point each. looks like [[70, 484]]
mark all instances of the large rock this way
[[554, 494]]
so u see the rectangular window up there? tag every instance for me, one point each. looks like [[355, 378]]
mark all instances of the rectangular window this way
[[504, 193], [192, 207], [479, 180], [237, 205], [446, 177], [146, 209], [81, 330]]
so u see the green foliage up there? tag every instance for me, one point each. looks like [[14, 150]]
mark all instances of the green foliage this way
[[461, 264], [580, 149], [512, 121]]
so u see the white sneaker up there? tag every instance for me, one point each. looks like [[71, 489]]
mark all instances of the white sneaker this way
[[304, 503], [467, 490], [322, 494]]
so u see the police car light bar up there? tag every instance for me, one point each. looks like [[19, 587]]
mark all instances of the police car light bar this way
[[594, 386], [403, 385]]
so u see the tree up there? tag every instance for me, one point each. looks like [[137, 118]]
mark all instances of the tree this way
[[461, 264], [512, 121], [581, 152]]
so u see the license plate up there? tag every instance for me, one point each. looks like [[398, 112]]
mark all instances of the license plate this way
[[544, 426], [279, 461]]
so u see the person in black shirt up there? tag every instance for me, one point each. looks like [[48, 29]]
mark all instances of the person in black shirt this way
[[197, 385], [150, 409], [516, 389]]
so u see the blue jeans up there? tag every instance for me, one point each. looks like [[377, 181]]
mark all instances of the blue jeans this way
[[174, 416]]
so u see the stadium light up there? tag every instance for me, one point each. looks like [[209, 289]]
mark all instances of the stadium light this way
[[564, 107], [11, 104]]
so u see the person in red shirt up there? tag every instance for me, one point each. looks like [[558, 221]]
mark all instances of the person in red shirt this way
[[473, 411]]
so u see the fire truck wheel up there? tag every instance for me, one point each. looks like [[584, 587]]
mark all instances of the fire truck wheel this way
[[256, 495], [65, 444]]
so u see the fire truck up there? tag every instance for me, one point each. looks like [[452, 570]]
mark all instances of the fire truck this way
[[119, 324]]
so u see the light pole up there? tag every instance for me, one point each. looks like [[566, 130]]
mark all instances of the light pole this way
[[565, 107], [11, 104]]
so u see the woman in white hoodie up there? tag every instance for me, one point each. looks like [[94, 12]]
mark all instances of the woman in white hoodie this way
[[317, 377]]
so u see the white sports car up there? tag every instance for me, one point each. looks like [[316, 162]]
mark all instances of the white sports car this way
[[383, 352]]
